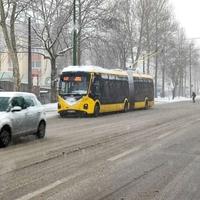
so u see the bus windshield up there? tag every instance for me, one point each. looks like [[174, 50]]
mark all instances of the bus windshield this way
[[74, 83]]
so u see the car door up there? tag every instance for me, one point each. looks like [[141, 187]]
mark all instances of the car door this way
[[18, 118], [33, 113]]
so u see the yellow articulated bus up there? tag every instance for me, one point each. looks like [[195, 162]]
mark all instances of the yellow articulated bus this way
[[93, 90]]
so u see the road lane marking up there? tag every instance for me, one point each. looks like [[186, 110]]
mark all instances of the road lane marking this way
[[114, 158], [45, 189], [165, 135]]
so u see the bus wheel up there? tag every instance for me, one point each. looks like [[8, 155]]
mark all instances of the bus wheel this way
[[146, 105], [62, 115], [96, 110], [126, 107]]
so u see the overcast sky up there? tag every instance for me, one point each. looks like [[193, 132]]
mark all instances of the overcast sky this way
[[187, 13]]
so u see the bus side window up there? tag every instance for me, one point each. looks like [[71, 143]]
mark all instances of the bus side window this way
[[96, 86]]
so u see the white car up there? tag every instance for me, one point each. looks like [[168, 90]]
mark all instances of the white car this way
[[20, 114]]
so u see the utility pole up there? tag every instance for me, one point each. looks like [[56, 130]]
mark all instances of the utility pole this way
[[74, 35], [29, 57], [156, 61]]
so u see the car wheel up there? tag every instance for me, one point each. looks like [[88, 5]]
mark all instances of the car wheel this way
[[41, 130], [96, 110], [5, 138]]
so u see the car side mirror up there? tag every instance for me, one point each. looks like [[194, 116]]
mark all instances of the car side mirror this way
[[16, 109]]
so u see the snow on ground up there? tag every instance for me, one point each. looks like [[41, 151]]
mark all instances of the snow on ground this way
[[51, 109], [160, 100]]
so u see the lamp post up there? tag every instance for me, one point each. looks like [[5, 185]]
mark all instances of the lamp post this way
[[29, 57], [190, 71]]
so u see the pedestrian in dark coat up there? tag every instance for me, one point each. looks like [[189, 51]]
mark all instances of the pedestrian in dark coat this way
[[193, 96]]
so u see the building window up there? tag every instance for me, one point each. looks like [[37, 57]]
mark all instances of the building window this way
[[36, 61], [36, 64]]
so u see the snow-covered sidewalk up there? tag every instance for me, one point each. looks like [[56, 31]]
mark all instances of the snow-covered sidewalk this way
[[165, 100], [51, 109]]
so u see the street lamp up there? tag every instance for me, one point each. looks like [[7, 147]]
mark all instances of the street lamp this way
[[30, 81], [190, 69]]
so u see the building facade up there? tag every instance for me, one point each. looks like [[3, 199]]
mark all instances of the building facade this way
[[41, 69]]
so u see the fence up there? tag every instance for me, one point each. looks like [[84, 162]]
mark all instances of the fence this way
[[43, 94]]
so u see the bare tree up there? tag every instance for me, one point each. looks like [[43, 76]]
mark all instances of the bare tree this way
[[89, 13], [114, 34], [50, 21], [9, 13], [176, 56]]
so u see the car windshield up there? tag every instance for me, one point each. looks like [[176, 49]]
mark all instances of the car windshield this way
[[74, 84], [4, 102]]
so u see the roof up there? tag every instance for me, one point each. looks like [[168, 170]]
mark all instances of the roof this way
[[12, 94], [86, 69], [102, 70]]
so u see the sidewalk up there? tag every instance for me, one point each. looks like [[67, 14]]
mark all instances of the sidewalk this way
[[164, 100]]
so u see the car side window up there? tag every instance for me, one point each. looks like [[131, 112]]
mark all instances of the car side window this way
[[18, 101], [29, 101]]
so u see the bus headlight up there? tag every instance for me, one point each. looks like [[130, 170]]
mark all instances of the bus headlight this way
[[85, 106]]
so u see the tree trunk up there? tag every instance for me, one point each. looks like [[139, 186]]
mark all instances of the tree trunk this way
[[163, 81], [185, 82], [148, 65], [148, 47], [175, 86], [143, 64], [0, 61], [124, 58], [11, 43], [132, 55], [140, 33], [181, 84], [163, 77], [79, 51], [16, 73], [173, 92], [53, 80], [14, 58]]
